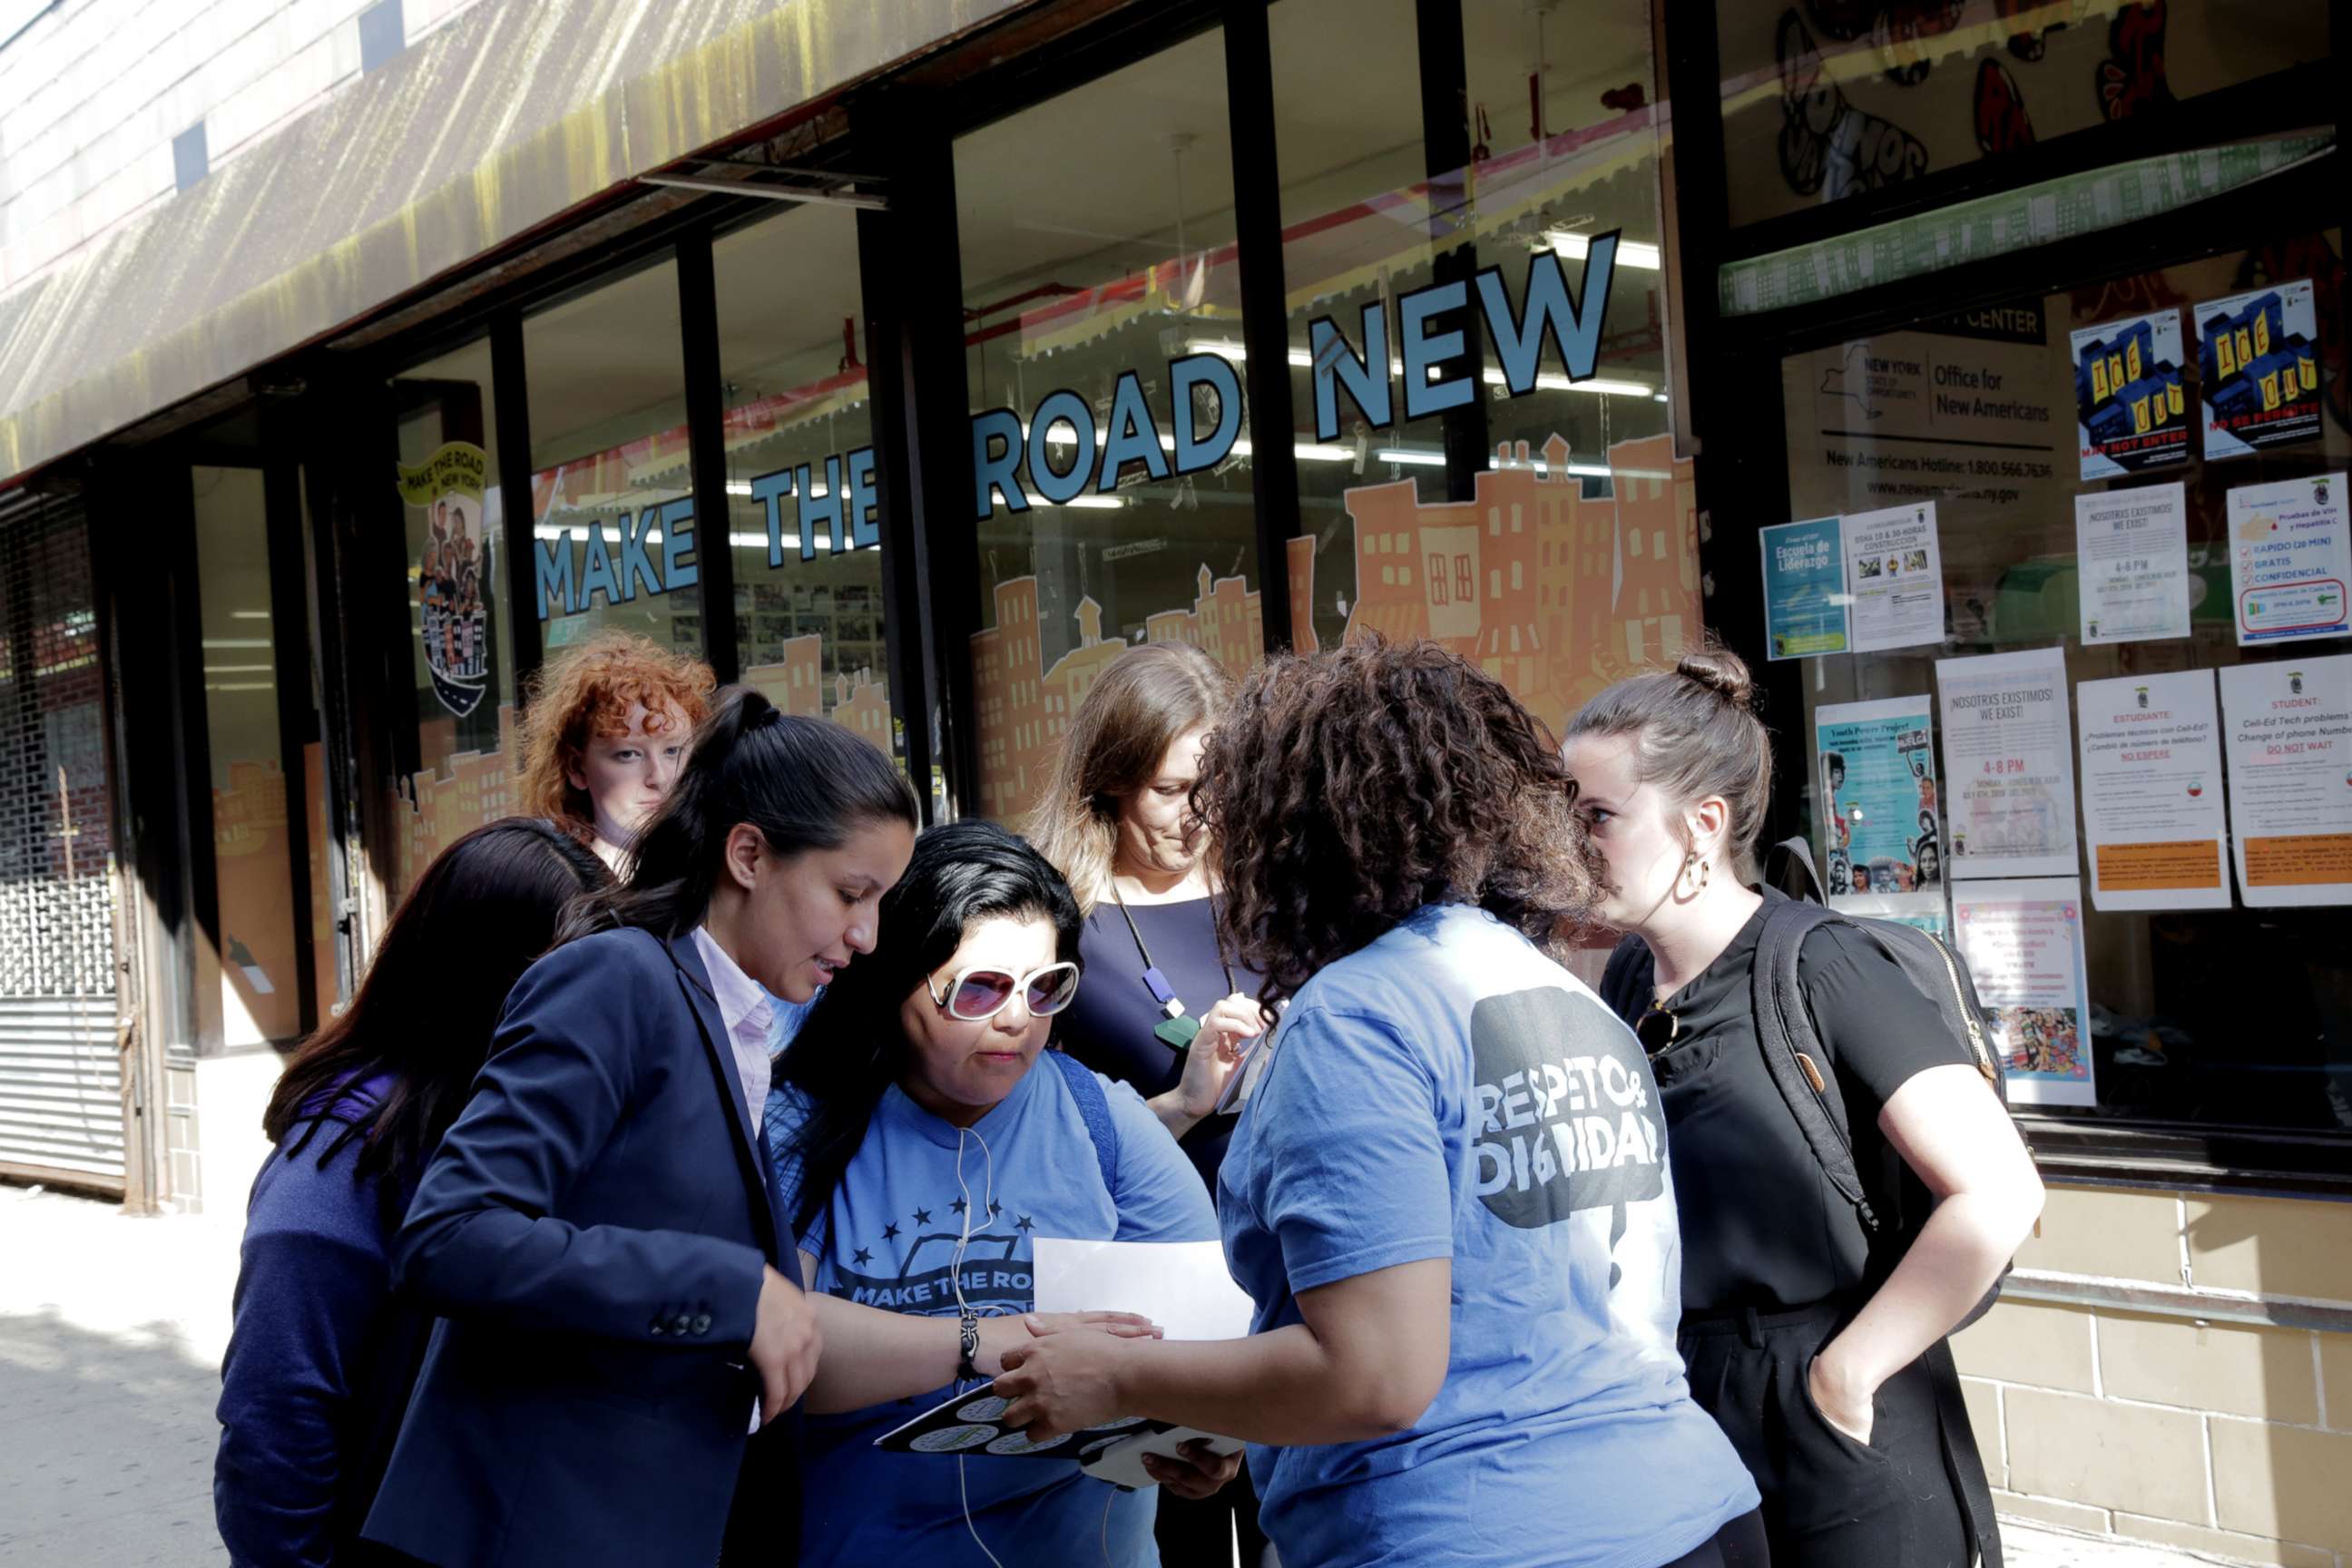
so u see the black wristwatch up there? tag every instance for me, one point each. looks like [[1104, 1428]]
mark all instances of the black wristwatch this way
[[968, 1338]]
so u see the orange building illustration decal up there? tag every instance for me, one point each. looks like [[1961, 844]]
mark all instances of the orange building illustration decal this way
[[1555, 594], [796, 684], [1024, 709]]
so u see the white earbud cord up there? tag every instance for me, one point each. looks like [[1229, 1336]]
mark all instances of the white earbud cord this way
[[955, 1281]]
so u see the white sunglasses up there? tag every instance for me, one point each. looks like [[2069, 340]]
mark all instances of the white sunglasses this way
[[980, 992]]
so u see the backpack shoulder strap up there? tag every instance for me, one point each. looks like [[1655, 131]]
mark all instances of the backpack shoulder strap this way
[[1792, 1049], [1094, 1109]]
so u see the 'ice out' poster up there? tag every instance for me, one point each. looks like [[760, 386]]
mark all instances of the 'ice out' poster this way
[[1875, 767], [2024, 942], [2130, 413], [2258, 355]]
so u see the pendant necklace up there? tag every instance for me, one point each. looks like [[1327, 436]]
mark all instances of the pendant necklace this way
[[1176, 1028]]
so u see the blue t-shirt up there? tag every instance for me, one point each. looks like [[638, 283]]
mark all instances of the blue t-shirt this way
[[1448, 1091], [888, 1237]]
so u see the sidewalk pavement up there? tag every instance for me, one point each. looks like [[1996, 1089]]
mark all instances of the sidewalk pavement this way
[[111, 1330]]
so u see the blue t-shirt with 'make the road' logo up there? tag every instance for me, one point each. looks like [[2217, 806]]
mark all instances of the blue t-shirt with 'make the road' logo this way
[[1449, 1091]]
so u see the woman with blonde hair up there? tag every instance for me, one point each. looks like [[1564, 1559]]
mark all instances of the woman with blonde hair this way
[[608, 722], [1165, 1010]]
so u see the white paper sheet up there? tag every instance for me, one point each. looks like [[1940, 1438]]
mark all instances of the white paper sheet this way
[[2289, 723], [2151, 749], [2009, 805], [2133, 546], [2290, 560], [1895, 572], [1182, 1286]]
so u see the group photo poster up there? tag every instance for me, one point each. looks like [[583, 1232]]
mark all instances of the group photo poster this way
[[2289, 724], [1894, 575], [1875, 766], [452, 488], [2152, 813], [2257, 358], [2290, 560], [2130, 413], [2132, 547], [2009, 754], [1805, 602], [2023, 943]]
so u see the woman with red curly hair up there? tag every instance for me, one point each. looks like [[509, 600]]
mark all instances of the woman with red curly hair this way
[[1449, 1195], [609, 721]]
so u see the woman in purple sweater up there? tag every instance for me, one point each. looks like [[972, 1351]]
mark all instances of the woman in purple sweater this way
[[322, 1358]]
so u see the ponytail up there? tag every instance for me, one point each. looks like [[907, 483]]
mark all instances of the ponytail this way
[[805, 784]]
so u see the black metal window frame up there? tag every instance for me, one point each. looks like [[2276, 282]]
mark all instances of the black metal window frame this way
[[1733, 389]]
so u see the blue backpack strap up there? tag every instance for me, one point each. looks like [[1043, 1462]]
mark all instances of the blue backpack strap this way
[[1094, 1109]]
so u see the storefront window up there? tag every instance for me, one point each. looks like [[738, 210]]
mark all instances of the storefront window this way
[[1827, 99], [1115, 503], [802, 515], [612, 493], [457, 576], [248, 992], [1525, 507], [2094, 544]]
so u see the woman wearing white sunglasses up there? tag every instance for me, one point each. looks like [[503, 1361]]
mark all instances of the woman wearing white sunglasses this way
[[922, 1144]]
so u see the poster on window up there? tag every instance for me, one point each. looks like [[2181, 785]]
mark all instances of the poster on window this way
[[2023, 943], [2258, 355], [1875, 767], [451, 487], [2130, 411], [2009, 758], [2152, 816], [2289, 724], [2290, 560], [1805, 602], [1894, 573], [2132, 547]]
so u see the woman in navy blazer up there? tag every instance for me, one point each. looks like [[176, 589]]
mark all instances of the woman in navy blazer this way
[[595, 1230]]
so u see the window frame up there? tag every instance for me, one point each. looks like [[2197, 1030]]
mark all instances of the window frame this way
[[1735, 400]]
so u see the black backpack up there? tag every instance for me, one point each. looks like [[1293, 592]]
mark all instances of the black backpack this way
[[1793, 1052]]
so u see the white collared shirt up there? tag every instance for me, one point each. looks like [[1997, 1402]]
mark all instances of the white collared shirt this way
[[748, 1011]]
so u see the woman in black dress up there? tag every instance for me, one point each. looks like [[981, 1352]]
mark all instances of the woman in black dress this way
[[1162, 1011], [1826, 1362]]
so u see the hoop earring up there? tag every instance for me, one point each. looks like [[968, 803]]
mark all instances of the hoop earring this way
[[1690, 861]]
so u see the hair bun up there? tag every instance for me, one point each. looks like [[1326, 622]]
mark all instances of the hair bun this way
[[755, 708], [1721, 671]]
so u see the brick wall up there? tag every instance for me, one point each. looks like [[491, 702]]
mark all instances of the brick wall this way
[[95, 93], [2225, 1437]]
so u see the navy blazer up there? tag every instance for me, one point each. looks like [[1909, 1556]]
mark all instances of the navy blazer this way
[[592, 1231]]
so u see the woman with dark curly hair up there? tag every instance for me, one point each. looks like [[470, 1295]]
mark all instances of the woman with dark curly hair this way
[[1448, 1195], [606, 730]]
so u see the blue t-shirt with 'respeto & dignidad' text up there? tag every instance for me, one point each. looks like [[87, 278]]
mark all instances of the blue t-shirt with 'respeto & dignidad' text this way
[[1449, 1091]]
